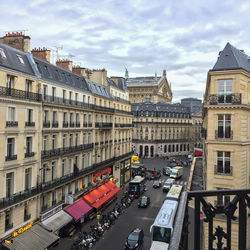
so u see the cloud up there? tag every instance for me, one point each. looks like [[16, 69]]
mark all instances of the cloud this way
[[146, 36]]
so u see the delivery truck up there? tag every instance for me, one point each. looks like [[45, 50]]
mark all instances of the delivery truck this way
[[177, 172]]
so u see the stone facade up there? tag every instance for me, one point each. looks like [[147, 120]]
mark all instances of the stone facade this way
[[226, 130]]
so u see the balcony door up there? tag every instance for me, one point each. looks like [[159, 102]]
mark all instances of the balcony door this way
[[225, 91], [224, 126]]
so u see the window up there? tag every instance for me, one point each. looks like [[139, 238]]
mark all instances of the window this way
[[53, 194], [76, 141], [29, 115], [77, 117], [53, 142], [27, 182], [46, 115], [28, 88], [20, 59], [8, 220], [64, 141], [53, 170], [11, 114], [83, 161], [45, 90], [84, 120], [9, 184], [53, 93], [222, 200], [63, 167], [84, 138], [70, 166], [28, 144], [224, 126], [223, 163], [89, 159], [71, 117], [225, 91], [64, 95], [2, 53], [44, 173], [65, 117], [71, 140], [83, 98], [26, 211], [47, 71], [70, 96], [10, 147], [45, 142], [89, 138], [76, 98], [38, 67], [10, 81], [58, 75]]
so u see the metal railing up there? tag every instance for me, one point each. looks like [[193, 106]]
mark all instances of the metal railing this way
[[216, 99], [30, 124], [11, 123], [65, 150], [29, 154], [54, 124], [10, 157], [103, 125], [40, 188], [65, 124], [20, 94], [46, 124], [224, 136]]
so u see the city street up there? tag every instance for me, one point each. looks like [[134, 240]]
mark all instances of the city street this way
[[132, 216]]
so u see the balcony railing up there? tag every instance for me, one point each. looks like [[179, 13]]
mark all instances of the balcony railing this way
[[224, 136], [19, 94], [29, 154], [10, 157], [30, 124], [223, 99], [78, 124], [65, 150], [40, 188], [46, 124], [71, 124], [55, 124], [103, 125], [11, 124], [65, 124], [85, 124], [234, 210], [89, 124], [220, 170]]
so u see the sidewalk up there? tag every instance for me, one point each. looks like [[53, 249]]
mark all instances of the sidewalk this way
[[66, 242]]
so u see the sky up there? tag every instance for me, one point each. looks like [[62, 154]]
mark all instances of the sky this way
[[184, 37]]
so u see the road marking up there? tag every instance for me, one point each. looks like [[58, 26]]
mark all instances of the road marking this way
[[145, 218]]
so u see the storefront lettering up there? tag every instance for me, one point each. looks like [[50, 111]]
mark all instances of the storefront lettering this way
[[22, 229]]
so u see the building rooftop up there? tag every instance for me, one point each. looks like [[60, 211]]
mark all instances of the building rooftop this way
[[232, 58], [142, 80], [98, 89]]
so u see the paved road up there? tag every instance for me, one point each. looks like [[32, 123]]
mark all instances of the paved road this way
[[132, 217], [137, 217]]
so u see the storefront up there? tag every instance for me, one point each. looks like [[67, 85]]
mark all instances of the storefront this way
[[125, 171], [102, 173], [31, 237], [101, 196]]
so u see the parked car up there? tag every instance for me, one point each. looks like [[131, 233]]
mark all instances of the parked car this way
[[144, 201], [157, 184], [135, 239]]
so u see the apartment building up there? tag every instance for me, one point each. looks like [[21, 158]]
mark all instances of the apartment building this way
[[227, 133], [63, 134], [162, 129]]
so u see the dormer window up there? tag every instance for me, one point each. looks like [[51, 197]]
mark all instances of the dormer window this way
[[2, 53], [47, 71], [20, 59]]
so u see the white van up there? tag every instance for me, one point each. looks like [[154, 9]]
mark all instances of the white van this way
[[167, 184]]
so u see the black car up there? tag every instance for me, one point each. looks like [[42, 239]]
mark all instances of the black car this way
[[135, 239], [144, 201]]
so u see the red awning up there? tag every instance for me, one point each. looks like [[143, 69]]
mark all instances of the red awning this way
[[196, 152], [100, 195], [78, 209]]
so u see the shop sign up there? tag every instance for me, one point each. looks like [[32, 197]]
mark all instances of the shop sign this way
[[101, 172], [22, 229], [51, 212], [69, 199]]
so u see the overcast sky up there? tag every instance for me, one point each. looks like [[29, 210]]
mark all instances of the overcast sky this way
[[183, 37]]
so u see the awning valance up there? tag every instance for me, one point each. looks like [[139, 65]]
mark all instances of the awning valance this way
[[78, 209], [57, 221], [35, 238]]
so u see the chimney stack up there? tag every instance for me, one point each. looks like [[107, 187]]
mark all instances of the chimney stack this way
[[42, 53], [79, 70], [64, 63], [17, 40]]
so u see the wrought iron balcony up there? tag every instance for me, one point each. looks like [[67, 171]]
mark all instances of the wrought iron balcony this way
[[71, 124], [220, 170], [10, 157], [29, 154], [30, 124], [105, 125], [54, 124], [219, 236], [78, 124], [90, 124], [223, 99], [20, 94], [96, 143], [224, 136], [11, 124], [85, 124], [65, 124], [41, 188], [46, 124]]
